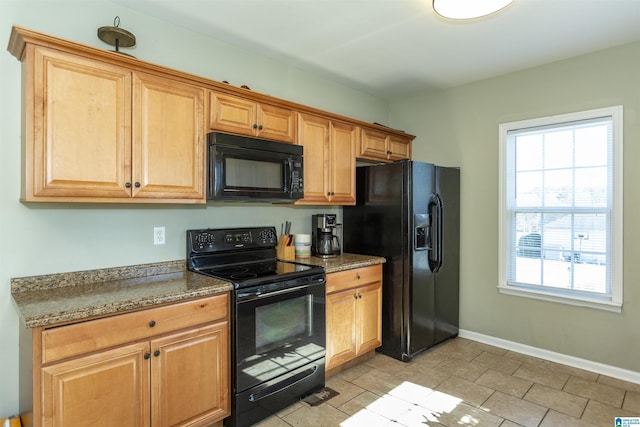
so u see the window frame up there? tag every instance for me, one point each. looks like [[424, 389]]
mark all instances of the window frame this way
[[614, 303]]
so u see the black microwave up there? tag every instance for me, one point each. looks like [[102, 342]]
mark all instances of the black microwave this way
[[245, 168]]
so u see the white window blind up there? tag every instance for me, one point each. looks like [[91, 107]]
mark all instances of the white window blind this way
[[560, 207]]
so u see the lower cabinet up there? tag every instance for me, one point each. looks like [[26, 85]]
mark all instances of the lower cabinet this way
[[354, 314], [176, 375]]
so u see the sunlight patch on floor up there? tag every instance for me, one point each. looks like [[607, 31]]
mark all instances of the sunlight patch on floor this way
[[411, 404]]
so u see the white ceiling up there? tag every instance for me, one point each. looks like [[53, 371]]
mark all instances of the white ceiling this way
[[393, 48]]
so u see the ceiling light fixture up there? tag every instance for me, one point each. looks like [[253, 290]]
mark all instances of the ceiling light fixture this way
[[468, 9]]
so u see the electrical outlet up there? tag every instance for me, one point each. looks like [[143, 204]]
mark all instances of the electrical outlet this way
[[158, 235]]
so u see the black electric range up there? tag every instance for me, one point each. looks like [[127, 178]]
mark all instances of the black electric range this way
[[278, 319]]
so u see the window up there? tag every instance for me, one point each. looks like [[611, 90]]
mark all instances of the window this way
[[561, 208]]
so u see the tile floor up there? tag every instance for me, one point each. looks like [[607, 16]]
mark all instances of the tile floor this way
[[463, 382]]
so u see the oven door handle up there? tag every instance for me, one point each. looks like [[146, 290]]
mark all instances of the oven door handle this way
[[257, 295], [283, 385]]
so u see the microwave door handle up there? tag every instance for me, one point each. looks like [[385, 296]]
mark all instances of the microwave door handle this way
[[288, 170]]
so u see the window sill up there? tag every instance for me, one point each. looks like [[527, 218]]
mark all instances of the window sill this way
[[554, 297]]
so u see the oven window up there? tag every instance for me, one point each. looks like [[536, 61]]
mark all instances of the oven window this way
[[283, 322], [242, 173]]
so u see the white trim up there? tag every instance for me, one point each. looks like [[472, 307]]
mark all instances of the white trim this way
[[576, 362], [563, 299]]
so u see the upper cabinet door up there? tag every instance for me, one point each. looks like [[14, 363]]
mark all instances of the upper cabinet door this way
[[168, 139], [343, 161], [373, 144], [276, 123], [399, 148], [314, 137], [232, 114], [77, 127]]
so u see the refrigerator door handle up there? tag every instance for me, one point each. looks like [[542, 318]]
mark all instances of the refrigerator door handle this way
[[435, 212]]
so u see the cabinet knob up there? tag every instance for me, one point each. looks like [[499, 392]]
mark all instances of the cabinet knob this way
[[255, 126], [137, 184], [156, 353], [358, 276], [127, 184], [260, 127], [147, 356], [152, 323]]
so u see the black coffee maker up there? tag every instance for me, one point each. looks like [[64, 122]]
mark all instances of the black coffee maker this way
[[324, 241]]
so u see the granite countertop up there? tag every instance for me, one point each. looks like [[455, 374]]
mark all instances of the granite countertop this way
[[68, 297], [342, 262]]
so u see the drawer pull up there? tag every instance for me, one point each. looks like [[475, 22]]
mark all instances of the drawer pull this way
[[358, 276], [152, 323], [156, 353]]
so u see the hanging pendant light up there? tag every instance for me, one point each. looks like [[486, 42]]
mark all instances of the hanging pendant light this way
[[468, 9]]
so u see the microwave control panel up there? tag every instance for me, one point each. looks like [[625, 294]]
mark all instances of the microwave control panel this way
[[296, 182]]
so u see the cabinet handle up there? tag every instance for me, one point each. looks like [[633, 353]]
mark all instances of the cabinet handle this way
[[152, 323], [255, 126], [156, 353], [137, 184], [355, 296], [260, 127], [127, 185], [359, 296], [147, 356], [358, 276]]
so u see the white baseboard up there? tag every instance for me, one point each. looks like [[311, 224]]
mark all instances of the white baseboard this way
[[576, 362]]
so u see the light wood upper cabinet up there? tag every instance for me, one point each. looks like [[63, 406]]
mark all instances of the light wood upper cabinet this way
[[242, 116], [78, 133], [354, 314], [165, 366], [378, 145], [168, 139], [329, 160], [100, 132], [105, 127]]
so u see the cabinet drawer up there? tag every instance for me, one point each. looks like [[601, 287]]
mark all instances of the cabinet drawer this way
[[353, 278], [79, 338]]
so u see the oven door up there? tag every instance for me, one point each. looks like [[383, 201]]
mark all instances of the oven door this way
[[279, 327]]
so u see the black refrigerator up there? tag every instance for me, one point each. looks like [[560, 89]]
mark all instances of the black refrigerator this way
[[409, 213]]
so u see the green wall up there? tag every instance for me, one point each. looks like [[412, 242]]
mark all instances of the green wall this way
[[69, 237], [460, 127]]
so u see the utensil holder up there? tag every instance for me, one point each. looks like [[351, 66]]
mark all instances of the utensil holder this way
[[285, 249]]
